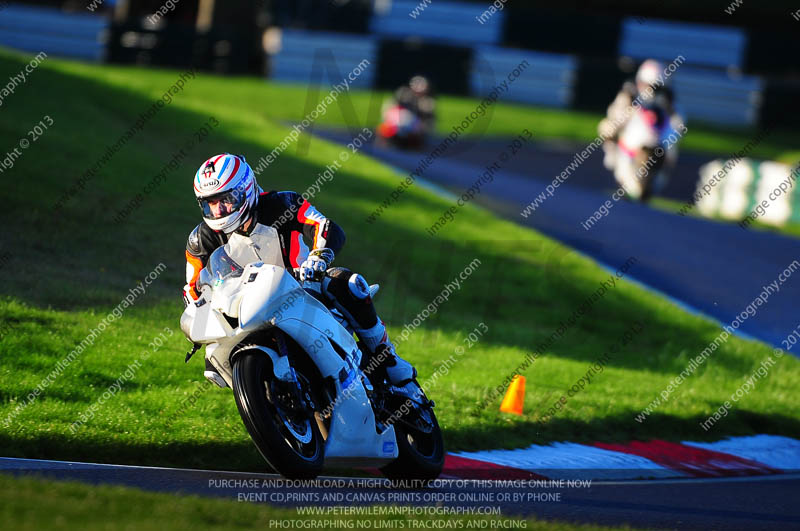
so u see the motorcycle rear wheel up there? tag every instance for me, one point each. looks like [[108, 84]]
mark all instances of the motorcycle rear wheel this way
[[285, 434]]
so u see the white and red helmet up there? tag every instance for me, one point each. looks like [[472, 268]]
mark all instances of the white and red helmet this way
[[229, 179], [650, 73]]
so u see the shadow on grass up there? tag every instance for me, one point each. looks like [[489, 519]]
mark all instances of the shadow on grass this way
[[211, 455], [75, 395]]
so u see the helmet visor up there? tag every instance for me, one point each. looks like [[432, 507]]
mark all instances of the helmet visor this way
[[223, 204]]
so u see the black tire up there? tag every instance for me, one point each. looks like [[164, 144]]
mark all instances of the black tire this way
[[650, 177], [421, 455], [266, 420]]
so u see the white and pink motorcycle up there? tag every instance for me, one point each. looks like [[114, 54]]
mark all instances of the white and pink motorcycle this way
[[295, 370], [647, 151]]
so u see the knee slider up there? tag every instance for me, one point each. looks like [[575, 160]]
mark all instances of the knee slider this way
[[358, 286], [342, 284]]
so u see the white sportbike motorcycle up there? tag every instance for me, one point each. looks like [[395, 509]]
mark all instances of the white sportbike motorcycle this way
[[646, 152], [294, 367]]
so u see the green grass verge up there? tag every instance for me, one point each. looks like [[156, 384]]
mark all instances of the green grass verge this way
[[66, 272], [35, 504]]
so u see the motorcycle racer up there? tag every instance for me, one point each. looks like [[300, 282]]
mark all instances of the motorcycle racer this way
[[409, 116], [650, 91], [632, 132], [231, 201], [416, 98]]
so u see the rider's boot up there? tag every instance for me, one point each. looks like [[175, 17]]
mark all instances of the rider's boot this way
[[212, 375], [384, 357]]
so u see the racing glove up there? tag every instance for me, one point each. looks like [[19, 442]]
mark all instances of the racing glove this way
[[316, 264]]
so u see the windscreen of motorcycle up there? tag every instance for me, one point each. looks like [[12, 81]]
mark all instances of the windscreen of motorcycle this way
[[220, 267], [261, 245], [229, 261], [267, 245]]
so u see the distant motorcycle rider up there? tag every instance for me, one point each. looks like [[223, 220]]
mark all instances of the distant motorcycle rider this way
[[231, 201], [416, 97], [408, 117], [641, 119], [649, 90]]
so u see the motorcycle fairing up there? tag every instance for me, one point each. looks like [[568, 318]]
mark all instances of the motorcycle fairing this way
[[266, 294]]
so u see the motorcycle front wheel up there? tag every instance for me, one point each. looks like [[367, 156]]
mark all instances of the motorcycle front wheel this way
[[420, 447], [276, 417]]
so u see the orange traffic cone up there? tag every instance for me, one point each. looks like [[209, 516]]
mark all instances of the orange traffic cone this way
[[515, 396]]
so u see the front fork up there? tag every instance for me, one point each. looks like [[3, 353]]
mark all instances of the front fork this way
[[303, 396]]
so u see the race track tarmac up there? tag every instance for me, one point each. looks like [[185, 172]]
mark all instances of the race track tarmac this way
[[768, 502], [716, 269]]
